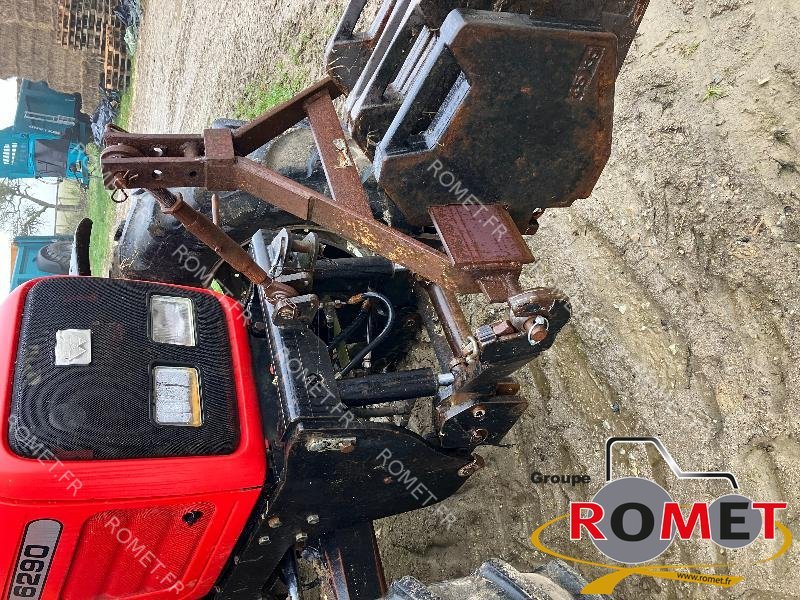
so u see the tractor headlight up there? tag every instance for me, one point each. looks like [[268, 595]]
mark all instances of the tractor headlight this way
[[172, 321], [176, 391]]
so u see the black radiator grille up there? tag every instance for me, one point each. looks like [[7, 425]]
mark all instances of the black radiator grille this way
[[104, 410]]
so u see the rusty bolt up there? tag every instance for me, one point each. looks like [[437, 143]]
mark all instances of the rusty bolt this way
[[479, 413], [503, 328], [274, 522], [215, 211], [457, 363], [478, 436], [471, 468], [507, 388], [347, 447], [286, 309], [387, 480], [537, 329], [277, 291]]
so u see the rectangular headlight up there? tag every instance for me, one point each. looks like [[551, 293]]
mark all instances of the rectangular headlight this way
[[177, 396], [172, 321]]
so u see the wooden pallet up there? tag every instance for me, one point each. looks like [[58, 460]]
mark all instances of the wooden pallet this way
[[81, 23], [90, 26], [116, 64]]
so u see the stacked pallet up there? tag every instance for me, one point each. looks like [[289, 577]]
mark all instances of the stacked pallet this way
[[116, 62], [91, 26], [81, 23]]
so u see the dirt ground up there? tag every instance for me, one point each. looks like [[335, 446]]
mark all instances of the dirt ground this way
[[682, 269]]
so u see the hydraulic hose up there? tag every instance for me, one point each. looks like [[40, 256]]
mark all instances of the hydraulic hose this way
[[345, 334], [381, 336]]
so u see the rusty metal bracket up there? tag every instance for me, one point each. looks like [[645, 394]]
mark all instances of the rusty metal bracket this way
[[484, 242], [216, 160], [211, 234], [423, 79], [334, 152]]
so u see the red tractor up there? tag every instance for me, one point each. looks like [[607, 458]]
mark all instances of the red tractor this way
[[163, 440]]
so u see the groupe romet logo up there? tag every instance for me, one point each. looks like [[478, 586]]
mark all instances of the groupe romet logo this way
[[633, 521]]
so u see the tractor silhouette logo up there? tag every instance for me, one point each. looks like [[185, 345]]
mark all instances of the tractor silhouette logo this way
[[633, 521]]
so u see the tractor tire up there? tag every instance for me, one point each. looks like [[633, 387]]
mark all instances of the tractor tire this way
[[55, 258], [496, 580]]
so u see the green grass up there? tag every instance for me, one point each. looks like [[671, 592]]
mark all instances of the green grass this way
[[126, 105], [289, 77], [260, 96], [690, 49], [714, 92], [100, 208]]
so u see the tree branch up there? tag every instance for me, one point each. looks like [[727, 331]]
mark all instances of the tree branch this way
[[14, 189]]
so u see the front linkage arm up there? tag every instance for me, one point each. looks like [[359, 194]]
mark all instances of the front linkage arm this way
[[485, 250]]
